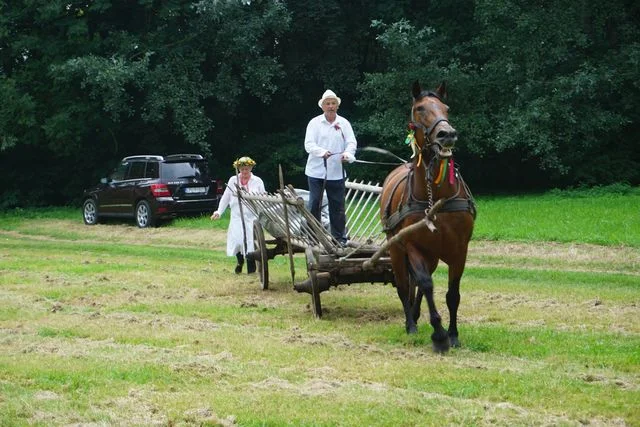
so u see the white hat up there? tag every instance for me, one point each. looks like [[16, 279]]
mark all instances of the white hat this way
[[328, 94]]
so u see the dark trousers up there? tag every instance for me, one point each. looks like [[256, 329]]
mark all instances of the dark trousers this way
[[335, 195]]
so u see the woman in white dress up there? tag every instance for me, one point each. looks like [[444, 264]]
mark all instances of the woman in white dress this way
[[235, 234]]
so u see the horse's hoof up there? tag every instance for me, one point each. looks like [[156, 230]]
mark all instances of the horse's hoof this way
[[455, 343], [412, 329], [440, 346]]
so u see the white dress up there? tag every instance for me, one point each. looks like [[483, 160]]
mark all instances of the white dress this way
[[235, 233]]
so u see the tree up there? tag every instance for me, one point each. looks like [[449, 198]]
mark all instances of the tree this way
[[543, 93], [103, 79], [540, 90]]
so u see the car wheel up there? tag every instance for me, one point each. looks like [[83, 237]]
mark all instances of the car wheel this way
[[144, 216], [90, 212]]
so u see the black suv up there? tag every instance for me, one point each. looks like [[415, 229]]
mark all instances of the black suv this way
[[152, 188]]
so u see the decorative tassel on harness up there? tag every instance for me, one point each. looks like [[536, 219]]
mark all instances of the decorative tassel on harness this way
[[442, 172], [411, 141], [452, 171], [447, 172]]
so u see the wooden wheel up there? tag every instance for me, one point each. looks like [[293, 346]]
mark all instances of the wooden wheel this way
[[262, 261], [315, 285], [315, 294]]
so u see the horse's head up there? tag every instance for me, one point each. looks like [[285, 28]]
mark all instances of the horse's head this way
[[431, 115]]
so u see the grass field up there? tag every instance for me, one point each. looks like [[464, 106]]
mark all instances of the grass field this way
[[115, 325]]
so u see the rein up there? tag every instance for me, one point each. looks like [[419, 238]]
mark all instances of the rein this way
[[367, 161], [378, 163]]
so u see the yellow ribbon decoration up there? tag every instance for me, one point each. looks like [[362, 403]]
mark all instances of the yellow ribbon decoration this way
[[416, 150], [440, 173]]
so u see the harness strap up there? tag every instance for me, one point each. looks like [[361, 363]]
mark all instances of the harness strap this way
[[387, 208], [435, 123], [457, 204], [415, 207]]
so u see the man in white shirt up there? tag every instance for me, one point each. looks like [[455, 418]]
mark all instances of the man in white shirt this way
[[330, 141]]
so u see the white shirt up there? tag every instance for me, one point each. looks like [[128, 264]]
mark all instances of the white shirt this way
[[235, 233], [336, 137]]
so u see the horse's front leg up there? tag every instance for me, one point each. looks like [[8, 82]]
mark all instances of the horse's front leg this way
[[424, 281], [415, 310]]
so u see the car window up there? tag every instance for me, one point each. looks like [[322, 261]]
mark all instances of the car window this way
[[136, 171], [152, 170], [196, 170], [120, 172]]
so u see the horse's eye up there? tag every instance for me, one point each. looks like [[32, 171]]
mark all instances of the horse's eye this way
[[420, 108]]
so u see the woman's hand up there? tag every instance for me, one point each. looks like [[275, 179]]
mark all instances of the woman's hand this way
[[215, 216]]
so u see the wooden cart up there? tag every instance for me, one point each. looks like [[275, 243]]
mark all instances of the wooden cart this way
[[285, 219]]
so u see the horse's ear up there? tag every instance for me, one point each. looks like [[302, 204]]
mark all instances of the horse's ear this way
[[442, 90], [416, 90]]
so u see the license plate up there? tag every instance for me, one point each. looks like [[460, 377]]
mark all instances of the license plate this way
[[195, 190]]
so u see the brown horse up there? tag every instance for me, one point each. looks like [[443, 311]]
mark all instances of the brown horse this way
[[428, 190]]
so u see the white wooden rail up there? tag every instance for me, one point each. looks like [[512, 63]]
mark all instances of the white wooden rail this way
[[362, 208]]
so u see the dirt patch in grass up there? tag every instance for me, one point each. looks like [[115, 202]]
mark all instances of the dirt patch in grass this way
[[213, 238]]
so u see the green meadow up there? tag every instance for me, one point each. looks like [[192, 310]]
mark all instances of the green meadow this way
[[115, 325]]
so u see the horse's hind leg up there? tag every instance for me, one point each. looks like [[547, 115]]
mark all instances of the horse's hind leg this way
[[405, 289], [453, 301], [415, 308], [422, 276]]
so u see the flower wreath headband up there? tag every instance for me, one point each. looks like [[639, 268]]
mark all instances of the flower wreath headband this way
[[244, 161]]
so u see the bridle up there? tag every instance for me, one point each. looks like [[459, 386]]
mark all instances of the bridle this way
[[429, 131]]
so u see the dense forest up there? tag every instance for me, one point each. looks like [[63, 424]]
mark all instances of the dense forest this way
[[544, 93]]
